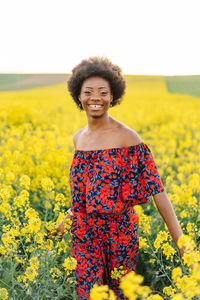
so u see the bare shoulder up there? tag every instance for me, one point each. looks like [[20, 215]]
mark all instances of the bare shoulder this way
[[129, 136], [76, 136]]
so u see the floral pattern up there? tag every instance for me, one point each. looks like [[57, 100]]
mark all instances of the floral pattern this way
[[100, 243], [102, 182], [107, 180]]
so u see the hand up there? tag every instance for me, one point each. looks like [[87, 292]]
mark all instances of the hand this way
[[183, 251], [60, 229]]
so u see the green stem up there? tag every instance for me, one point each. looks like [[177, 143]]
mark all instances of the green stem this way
[[46, 209], [23, 248], [158, 260], [12, 277]]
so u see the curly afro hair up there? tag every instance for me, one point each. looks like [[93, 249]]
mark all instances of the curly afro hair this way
[[97, 66]]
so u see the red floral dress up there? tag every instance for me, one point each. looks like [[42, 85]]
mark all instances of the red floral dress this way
[[104, 182]]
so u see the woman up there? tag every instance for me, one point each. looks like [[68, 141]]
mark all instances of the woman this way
[[112, 170]]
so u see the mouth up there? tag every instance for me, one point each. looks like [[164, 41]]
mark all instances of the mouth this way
[[95, 106]]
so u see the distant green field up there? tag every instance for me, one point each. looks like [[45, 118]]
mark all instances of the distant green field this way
[[189, 85], [11, 79], [9, 82]]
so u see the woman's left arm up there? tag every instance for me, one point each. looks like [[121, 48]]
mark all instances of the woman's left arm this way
[[166, 210]]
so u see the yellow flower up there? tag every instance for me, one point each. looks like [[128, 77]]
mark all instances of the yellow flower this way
[[9, 241], [101, 292], [130, 284], [10, 176], [5, 193], [187, 242], [31, 213], [34, 262], [178, 297], [168, 250], [25, 182], [169, 291], [69, 264], [55, 273], [194, 182], [47, 184], [189, 227], [143, 243], [31, 273], [5, 208], [176, 273], [183, 214], [60, 198], [49, 245], [161, 237], [190, 258], [3, 294], [39, 237], [22, 200], [117, 273], [152, 260], [34, 225], [196, 271]]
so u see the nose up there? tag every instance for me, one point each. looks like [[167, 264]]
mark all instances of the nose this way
[[95, 96]]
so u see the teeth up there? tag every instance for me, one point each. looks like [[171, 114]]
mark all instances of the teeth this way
[[94, 105]]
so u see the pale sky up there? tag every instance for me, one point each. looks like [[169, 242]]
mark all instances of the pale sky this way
[[157, 37]]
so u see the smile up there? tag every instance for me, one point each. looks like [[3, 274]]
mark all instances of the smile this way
[[95, 106]]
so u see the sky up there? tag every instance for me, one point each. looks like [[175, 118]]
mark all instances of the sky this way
[[152, 37]]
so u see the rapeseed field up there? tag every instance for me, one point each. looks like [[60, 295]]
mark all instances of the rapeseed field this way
[[36, 150]]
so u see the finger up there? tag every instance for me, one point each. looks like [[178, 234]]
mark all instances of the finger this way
[[49, 236], [60, 237], [52, 233]]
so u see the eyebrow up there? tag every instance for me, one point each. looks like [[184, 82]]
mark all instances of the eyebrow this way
[[102, 87]]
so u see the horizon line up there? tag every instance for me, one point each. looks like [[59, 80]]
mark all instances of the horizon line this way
[[125, 74]]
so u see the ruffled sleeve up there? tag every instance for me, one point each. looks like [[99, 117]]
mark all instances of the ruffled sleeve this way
[[142, 179]]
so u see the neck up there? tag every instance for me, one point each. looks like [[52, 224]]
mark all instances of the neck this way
[[99, 123]]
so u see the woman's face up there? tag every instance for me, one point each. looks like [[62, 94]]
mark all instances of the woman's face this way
[[95, 95]]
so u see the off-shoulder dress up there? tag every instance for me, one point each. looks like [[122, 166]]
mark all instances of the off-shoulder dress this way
[[103, 182]]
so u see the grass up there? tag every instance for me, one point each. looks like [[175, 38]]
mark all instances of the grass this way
[[10, 79], [189, 85], [12, 82]]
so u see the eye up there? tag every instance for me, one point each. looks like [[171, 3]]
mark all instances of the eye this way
[[86, 92], [104, 93]]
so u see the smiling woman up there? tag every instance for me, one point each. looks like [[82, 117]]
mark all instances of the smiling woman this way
[[112, 81], [112, 171], [95, 94]]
